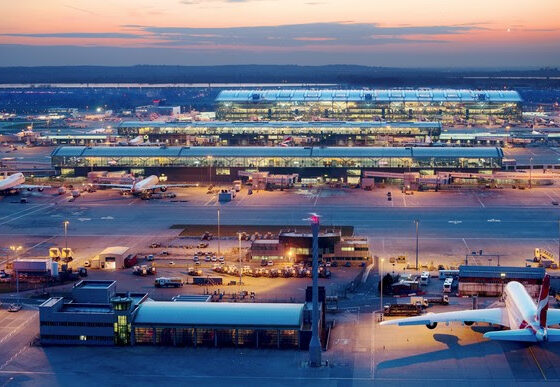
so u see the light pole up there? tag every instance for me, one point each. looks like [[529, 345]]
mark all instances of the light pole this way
[[209, 158], [218, 231], [66, 234], [239, 256], [503, 277], [531, 172], [416, 222], [315, 345], [15, 249], [381, 289]]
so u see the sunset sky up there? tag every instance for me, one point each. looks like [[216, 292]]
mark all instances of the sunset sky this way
[[404, 33]]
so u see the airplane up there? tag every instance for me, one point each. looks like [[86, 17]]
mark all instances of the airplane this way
[[286, 142], [528, 322], [16, 182], [145, 186]]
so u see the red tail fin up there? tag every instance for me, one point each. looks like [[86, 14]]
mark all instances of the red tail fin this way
[[542, 305]]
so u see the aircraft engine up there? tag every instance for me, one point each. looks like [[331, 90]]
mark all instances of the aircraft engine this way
[[432, 325]]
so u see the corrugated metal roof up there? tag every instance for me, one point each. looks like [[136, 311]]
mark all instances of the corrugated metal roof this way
[[241, 151], [388, 95], [511, 272], [220, 314], [277, 124], [455, 152]]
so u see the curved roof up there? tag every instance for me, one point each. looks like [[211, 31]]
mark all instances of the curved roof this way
[[277, 124], [255, 151], [388, 95], [220, 314]]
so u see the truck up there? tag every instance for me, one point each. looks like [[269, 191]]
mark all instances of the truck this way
[[402, 310], [447, 285], [130, 261], [237, 185], [425, 278], [36, 265], [424, 302], [66, 254], [541, 254], [164, 282], [54, 253], [143, 270]]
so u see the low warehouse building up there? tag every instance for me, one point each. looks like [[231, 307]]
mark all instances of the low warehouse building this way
[[195, 324], [490, 280], [98, 315], [296, 246], [111, 258]]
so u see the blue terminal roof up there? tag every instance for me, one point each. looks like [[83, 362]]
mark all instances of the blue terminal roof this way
[[277, 124], [389, 95], [511, 272], [215, 314], [241, 151]]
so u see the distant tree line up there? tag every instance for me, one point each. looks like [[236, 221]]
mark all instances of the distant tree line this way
[[345, 75]]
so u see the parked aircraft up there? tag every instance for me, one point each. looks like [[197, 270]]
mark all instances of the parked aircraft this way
[[145, 186], [16, 182], [528, 321]]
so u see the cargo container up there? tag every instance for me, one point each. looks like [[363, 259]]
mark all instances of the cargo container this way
[[35, 265], [207, 280]]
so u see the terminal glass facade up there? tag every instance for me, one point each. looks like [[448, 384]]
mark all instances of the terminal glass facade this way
[[280, 162], [270, 133], [448, 106]]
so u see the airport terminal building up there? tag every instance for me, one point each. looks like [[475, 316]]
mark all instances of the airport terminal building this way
[[225, 163], [330, 133], [444, 105]]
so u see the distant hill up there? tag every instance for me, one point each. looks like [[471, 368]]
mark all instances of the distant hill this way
[[340, 74]]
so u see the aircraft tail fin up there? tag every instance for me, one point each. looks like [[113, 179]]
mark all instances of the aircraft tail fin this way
[[512, 335], [542, 304]]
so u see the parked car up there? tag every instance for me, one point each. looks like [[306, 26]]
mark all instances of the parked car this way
[[14, 308], [155, 245]]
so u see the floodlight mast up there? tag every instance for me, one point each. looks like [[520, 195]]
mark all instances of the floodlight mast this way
[[315, 344]]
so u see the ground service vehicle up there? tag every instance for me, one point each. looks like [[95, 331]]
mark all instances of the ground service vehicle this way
[[402, 310], [425, 278], [447, 285], [173, 282], [542, 254]]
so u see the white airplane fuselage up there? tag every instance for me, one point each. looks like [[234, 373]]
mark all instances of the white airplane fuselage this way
[[144, 185], [521, 309], [12, 181]]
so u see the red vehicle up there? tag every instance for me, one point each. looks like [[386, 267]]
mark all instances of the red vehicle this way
[[130, 261]]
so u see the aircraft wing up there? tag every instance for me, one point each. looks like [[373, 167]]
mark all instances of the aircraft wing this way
[[31, 186], [158, 186], [123, 186], [492, 316], [553, 317]]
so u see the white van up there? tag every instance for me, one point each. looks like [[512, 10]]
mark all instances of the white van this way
[[425, 278], [447, 285]]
